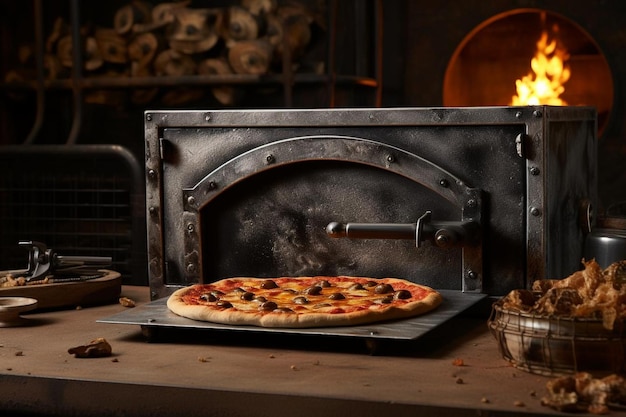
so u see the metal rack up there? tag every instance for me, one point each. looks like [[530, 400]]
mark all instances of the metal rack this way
[[367, 75]]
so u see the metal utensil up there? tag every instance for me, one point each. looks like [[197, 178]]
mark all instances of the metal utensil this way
[[44, 261]]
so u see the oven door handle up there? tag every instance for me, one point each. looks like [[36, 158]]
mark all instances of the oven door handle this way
[[443, 234]]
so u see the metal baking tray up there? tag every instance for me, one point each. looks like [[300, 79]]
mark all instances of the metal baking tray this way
[[156, 315]]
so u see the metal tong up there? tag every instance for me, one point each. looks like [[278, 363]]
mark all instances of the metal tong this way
[[43, 261]]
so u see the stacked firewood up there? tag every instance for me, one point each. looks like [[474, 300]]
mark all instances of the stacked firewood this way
[[175, 39]]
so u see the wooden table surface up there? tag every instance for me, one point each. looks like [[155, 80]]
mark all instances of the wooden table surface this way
[[224, 374]]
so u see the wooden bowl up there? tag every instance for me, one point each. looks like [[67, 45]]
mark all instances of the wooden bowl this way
[[96, 291]]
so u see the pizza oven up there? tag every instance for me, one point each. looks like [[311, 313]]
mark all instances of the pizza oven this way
[[469, 200]]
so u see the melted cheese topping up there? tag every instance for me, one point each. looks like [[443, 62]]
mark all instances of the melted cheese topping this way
[[331, 295]]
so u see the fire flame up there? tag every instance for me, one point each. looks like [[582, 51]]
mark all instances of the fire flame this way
[[550, 72]]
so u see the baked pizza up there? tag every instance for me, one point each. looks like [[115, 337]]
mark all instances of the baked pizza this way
[[300, 302]]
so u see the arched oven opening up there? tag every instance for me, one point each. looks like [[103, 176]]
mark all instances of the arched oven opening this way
[[529, 56], [273, 224]]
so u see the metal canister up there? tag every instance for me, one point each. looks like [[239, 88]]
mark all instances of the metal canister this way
[[606, 246]]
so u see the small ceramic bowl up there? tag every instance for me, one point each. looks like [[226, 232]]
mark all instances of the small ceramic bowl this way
[[12, 307]]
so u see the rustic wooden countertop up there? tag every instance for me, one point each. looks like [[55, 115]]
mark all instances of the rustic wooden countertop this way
[[235, 375]]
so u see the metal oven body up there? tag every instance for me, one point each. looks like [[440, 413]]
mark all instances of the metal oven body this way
[[471, 199]]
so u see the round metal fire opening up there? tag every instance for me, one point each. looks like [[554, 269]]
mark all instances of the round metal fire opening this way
[[487, 64], [558, 346]]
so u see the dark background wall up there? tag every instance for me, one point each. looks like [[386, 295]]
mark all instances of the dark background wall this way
[[420, 38]]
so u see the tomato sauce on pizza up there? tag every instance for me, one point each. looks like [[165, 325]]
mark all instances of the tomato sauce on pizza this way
[[303, 301]]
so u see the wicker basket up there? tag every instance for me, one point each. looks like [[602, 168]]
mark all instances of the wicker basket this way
[[558, 346]]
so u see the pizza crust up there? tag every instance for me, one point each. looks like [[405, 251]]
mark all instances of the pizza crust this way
[[378, 312]]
